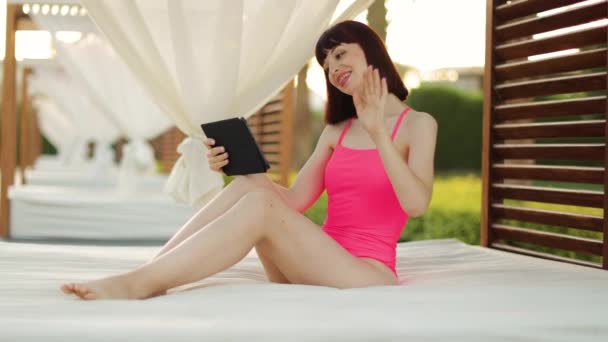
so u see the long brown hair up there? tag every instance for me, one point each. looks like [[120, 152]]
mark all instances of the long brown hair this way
[[340, 106]]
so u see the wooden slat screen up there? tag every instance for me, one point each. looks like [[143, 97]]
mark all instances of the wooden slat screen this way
[[545, 133], [271, 127]]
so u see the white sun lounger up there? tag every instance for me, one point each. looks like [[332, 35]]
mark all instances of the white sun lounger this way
[[40, 212]]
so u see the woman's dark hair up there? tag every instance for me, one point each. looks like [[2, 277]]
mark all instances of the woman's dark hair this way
[[340, 106]]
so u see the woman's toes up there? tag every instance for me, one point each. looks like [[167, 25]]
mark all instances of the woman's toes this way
[[88, 296], [68, 288], [83, 290]]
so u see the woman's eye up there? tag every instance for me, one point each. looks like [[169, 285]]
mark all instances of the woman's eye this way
[[339, 55]]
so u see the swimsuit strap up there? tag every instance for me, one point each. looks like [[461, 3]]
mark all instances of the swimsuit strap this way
[[399, 122], [344, 130]]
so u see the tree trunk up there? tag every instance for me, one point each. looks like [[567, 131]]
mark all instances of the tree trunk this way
[[376, 18], [302, 133]]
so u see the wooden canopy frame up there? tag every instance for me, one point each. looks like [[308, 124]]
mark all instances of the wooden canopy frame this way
[[512, 81]]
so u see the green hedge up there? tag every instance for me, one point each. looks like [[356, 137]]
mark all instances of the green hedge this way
[[459, 117]]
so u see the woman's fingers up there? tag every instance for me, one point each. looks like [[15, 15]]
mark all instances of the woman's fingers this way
[[215, 151], [384, 87], [219, 158], [368, 83], [377, 85], [209, 142], [219, 165]]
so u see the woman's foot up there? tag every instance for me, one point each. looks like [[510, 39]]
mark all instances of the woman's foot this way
[[107, 288]]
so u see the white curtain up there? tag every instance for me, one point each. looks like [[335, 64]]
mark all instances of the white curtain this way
[[93, 62], [209, 60], [95, 65], [56, 125], [92, 123]]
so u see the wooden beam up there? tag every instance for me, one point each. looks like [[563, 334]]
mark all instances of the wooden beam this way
[[537, 24], [25, 141], [287, 133], [9, 120], [548, 239], [554, 108], [523, 8], [488, 108], [25, 23], [605, 235]]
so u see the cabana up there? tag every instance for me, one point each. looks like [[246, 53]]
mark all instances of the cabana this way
[[499, 291], [94, 199], [271, 126]]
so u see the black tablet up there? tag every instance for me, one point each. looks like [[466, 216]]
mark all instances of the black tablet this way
[[244, 154]]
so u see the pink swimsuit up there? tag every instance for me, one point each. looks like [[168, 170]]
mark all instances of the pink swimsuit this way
[[363, 212]]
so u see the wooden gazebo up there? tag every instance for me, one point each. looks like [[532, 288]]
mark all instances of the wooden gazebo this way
[[271, 125]]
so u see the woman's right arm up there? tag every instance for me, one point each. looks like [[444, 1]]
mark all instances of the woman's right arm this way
[[309, 183]]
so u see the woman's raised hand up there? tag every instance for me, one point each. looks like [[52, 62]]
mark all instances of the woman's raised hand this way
[[369, 100], [217, 157]]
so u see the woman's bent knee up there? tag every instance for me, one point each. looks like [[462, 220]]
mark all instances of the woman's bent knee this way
[[253, 183], [263, 204]]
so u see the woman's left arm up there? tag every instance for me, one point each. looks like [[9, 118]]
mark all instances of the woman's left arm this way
[[411, 179]]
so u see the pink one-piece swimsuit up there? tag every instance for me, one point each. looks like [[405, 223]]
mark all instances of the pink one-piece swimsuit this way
[[363, 212]]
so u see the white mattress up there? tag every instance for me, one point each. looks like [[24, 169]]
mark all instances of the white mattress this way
[[40, 212], [451, 292], [71, 178], [86, 179]]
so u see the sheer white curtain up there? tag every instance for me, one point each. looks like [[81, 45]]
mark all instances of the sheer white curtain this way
[[56, 125], [94, 64], [209, 60], [92, 123]]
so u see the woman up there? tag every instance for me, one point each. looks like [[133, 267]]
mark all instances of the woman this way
[[375, 161]]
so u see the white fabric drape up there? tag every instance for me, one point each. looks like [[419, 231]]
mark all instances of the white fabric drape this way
[[209, 60], [92, 123], [56, 125], [94, 64]]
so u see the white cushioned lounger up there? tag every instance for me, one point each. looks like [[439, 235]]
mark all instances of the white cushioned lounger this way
[[39, 212], [450, 292]]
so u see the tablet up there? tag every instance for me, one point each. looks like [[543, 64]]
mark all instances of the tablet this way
[[244, 154]]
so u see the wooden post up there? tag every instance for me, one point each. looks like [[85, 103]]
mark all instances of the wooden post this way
[[9, 120], [287, 133], [25, 141], [605, 235], [486, 160]]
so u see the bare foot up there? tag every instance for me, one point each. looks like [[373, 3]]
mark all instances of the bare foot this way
[[106, 288], [159, 293]]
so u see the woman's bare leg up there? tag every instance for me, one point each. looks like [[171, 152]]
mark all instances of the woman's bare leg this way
[[304, 252], [223, 201], [212, 210], [221, 244]]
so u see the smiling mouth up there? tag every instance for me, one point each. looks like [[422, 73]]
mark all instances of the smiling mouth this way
[[343, 78]]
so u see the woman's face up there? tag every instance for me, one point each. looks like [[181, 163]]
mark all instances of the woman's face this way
[[345, 65]]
